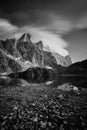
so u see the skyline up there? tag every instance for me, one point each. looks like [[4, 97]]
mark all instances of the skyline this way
[[58, 23]]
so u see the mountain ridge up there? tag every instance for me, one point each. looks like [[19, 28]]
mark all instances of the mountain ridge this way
[[27, 54], [75, 69]]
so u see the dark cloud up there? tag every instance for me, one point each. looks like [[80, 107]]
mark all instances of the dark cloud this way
[[6, 29], [36, 11]]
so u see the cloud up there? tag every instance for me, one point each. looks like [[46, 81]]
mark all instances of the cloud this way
[[49, 30], [63, 25], [54, 41], [59, 24], [47, 19], [6, 29], [51, 21], [82, 22]]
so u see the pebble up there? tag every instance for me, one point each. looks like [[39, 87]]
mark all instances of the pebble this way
[[60, 96], [41, 116], [33, 104], [44, 108], [15, 127], [15, 108], [11, 114], [43, 124], [64, 122], [2, 128], [3, 123], [10, 117], [50, 124], [75, 88], [35, 119], [45, 96], [5, 117], [61, 127]]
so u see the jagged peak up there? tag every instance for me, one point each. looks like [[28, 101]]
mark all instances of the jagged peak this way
[[67, 56], [25, 37], [13, 39], [39, 44]]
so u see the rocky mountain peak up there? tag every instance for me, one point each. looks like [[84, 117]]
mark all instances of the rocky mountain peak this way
[[26, 54], [25, 37], [40, 45]]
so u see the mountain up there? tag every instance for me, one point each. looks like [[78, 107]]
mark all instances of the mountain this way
[[8, 65], [75, 69], [78, 68], [18, 55]]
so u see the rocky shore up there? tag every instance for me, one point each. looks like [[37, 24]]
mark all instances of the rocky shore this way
[[42, 108]]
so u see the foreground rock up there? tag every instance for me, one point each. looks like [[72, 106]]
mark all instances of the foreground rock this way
[[42, 108]]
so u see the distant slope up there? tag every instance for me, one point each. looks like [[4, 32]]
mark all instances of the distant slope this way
[[78, 68]]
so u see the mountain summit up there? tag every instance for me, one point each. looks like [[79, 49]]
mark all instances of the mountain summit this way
[[25, 37], [21, 54]]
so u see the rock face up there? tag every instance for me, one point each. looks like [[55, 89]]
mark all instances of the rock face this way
[[19, 55], [8, 65]]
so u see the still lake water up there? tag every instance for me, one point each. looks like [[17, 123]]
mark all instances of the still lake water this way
[[62, 82], [56, 104]]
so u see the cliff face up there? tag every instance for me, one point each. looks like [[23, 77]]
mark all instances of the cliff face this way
[[8, 65], [64, 61], [19, 55]]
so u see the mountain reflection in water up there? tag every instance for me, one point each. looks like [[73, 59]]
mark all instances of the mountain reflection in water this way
[[62, 82]]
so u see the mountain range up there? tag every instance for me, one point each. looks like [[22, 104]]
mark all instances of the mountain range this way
[[17, 55], [23, 58]]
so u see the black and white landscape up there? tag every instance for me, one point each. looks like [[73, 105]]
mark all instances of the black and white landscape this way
[[43, 65]]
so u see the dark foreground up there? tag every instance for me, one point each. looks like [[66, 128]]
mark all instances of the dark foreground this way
[[42, 107]]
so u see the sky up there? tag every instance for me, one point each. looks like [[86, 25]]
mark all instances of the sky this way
[[61, 24]]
